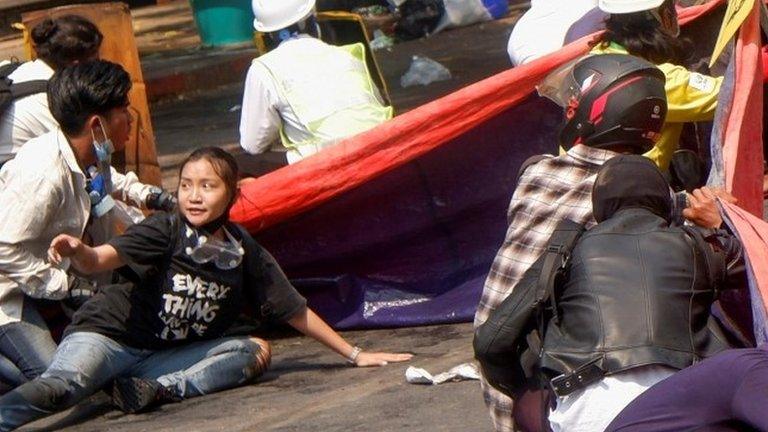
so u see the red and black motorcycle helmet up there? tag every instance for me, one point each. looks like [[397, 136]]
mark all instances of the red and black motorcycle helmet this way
[[610, 100]]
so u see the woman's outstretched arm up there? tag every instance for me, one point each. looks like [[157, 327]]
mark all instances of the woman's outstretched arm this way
[[85, 259], [307, 322]]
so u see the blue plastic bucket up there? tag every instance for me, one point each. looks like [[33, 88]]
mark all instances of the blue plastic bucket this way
[[223, 22], [497, 8]]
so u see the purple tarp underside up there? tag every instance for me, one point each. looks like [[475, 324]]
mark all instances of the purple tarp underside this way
[[414, 245]]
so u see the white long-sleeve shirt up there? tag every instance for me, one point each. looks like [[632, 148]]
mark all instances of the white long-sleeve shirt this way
[[264, 110], [42, 195], [542, 29], [27, 117]]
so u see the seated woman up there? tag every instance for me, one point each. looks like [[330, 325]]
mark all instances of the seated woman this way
[[160, 334]]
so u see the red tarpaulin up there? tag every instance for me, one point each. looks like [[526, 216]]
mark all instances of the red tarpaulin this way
[[296, 188], [742, 154], [743, 139], [399, 225]]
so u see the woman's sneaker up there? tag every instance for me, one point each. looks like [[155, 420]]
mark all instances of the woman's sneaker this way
[[135, 395]]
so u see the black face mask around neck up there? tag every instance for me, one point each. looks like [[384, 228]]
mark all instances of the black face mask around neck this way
[[214, 225]]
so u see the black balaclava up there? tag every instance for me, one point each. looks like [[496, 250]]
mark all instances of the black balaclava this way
[[630, 181]]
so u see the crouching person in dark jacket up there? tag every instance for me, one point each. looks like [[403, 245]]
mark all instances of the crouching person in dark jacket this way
[[635, 305]]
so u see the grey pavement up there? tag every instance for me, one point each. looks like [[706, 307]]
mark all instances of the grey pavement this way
[[311, 389]]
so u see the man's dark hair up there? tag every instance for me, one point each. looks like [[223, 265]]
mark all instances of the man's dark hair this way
[[66, 40], [79, 91]]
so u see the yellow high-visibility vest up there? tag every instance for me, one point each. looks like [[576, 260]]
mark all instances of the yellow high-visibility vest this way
[[330, 90]]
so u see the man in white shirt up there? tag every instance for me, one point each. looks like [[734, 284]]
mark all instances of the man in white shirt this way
[[305, 92], [61, 42], [43, 194]]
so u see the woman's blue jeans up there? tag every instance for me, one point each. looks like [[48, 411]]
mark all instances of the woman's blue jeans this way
[[26, 347], [85, 362]]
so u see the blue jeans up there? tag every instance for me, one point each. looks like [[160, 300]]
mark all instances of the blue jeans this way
[[86, 362], [26, 347]]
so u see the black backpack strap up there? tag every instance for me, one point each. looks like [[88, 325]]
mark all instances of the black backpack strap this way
[[507, 345], [556, 255], [175, 223], [8, 69], [28, 88]]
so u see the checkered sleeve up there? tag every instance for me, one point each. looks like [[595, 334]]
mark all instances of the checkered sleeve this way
[[549, 191]]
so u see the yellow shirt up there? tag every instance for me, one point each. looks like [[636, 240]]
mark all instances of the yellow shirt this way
[[691, 97]]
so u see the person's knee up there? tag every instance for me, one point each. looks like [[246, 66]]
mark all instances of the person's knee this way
[[49, 393], [262, 352]]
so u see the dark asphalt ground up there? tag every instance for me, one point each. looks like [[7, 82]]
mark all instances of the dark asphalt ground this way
[[310, 388]]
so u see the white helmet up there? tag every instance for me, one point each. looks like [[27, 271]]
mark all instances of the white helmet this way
[[273, 15], [627, 6]]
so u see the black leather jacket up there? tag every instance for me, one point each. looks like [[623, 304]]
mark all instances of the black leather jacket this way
[[638, 292]]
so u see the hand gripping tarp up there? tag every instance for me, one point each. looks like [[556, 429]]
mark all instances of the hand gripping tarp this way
[[399, 225]]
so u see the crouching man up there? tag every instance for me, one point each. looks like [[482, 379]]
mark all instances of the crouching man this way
[[612, 104], [635, 305], [44, 192]]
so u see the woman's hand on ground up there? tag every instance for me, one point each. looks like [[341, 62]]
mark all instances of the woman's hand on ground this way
[[367, 359], [63, 246]]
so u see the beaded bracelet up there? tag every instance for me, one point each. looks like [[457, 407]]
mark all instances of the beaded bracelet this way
[[352, 359]]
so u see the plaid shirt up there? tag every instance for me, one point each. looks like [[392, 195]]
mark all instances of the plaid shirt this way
[[553, 189]]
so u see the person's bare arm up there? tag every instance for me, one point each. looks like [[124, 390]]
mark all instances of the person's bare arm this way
[[307, 322], [84, 258]]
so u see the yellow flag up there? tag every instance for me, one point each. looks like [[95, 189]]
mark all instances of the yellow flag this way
[[737, 12]]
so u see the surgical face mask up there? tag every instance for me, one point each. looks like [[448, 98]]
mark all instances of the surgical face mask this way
[[308, 25], [103, 150], [226, 255]]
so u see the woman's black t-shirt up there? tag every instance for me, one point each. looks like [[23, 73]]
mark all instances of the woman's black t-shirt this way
[[179, 300]]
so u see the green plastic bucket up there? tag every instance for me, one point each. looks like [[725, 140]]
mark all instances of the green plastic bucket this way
[[223, 22]]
